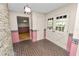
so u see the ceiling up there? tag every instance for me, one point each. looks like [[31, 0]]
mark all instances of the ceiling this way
[[38, 7]]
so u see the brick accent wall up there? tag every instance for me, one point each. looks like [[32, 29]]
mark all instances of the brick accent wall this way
[[6, 48]]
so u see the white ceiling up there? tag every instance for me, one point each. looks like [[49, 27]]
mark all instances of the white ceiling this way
[[38, 7]]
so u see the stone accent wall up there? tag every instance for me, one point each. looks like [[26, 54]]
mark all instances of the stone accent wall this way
[[6, 48]]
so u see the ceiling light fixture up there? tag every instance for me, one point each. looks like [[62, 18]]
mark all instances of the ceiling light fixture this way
[[27, 9], [25, 21]]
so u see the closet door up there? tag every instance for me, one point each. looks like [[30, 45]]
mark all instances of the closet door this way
[[40, 27]]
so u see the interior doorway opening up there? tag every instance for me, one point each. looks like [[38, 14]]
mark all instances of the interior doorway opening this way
[[23, 28]]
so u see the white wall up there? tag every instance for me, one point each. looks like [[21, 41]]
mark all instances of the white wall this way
[[38, 24], [60, 38], [38, 20], [76, 29], [13, 19]]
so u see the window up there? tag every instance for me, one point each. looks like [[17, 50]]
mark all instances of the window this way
[[60, 23], [50, 23]]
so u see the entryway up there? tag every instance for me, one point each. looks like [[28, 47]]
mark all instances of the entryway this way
[[23, 28]]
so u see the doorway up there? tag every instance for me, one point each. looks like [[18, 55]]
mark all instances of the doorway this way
[[23, 28]]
